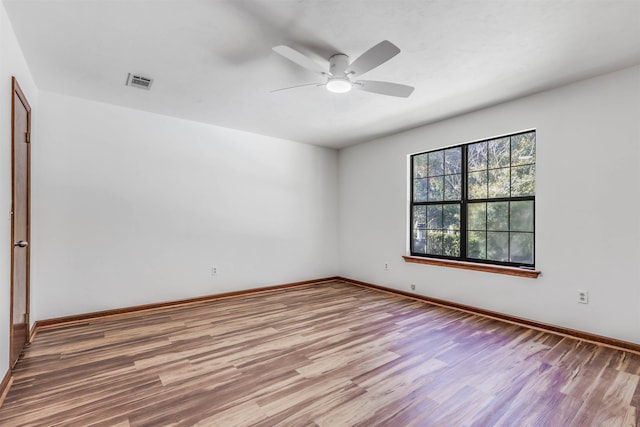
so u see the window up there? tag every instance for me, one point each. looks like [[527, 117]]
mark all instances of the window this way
[[476, 202]]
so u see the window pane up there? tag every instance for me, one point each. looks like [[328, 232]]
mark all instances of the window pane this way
[[419, 246], [453, 161], [452, 187], [419, 230], [522, 248], [498, 246], [451, 243], [477, 216], [436, 189], [477, 156], [436, 163], [499, 183], [523, 149], [420, 190], [434, 242], [522, 216], [498, 153], [498, 216], [451, 217], [419, 216], [476, 244], [434, 217], [420, 166], [523, 181], [478, 185]]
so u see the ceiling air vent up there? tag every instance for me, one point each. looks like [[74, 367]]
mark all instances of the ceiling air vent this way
[[134, 80]]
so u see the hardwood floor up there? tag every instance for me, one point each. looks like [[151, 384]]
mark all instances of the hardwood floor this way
[[324, 355]]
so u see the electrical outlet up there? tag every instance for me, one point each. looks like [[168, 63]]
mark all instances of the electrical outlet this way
[[413, 287], [214, 271], [386, 266], [583, 296]]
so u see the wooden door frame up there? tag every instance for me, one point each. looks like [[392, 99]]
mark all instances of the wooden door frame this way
[[17, 91]]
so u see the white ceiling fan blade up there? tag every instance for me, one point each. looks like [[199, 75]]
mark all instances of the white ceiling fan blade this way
[[295, 87], [385, 88], [300, 59], [377, 55]]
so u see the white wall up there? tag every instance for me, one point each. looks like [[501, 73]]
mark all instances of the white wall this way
[[12, 63], [133, 208], [587, 208]]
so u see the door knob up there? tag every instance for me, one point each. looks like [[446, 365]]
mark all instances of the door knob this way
[[21, 243]]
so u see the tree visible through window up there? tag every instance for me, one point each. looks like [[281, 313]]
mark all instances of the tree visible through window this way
[[476, 202]]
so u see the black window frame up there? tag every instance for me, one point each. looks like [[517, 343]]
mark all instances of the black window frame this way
[[464, 203]]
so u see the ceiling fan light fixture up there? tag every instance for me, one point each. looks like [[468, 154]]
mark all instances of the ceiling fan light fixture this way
[[339, 85]]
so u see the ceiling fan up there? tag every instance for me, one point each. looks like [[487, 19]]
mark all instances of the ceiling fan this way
[[341, 75]]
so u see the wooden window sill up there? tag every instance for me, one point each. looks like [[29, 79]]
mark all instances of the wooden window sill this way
[[499, 269]]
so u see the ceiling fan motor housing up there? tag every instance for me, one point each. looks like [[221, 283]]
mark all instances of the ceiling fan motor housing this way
[[338, 64]]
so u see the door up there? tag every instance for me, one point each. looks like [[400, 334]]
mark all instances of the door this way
[[20, 221]]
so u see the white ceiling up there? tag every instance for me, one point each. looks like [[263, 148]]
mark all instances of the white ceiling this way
[[211, 60]]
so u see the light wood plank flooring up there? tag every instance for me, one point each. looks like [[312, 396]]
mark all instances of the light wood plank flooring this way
[[324, 355]]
